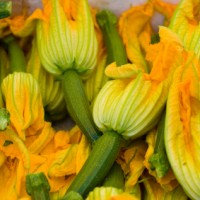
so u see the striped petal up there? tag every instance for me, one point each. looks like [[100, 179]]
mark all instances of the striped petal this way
[[66, 37], [182, 126], [185, 22], [24, 102]]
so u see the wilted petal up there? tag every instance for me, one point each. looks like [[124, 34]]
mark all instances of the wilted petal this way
[[130, 32], [153, 190]]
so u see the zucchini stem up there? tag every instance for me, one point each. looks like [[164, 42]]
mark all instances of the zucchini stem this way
[[16, 55], [78, 105], [115, 48]]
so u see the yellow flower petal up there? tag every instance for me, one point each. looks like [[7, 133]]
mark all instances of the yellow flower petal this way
[[182, 126], [140, 15], [64, 163], [61, 139], [24, 102], [23, 25], [134, 167], [185, 23], [153, 190], [82, 153], [124, 71], [46, 135]]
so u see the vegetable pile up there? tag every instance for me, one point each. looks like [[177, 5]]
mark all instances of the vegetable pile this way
[[131, 90]]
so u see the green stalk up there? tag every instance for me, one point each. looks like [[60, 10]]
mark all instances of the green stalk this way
[[115, 48], [98, 164], [5, 9], [159, 160], [16, 55], [37, 186], [78, 105]]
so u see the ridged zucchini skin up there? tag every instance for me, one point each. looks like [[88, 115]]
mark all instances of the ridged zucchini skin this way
[[98, 164], [78, 105]]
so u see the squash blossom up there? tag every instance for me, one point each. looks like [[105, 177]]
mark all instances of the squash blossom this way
[[131, 103], [68, 47], [66, 37], [24, 102], [137, 36], [181, 131], [51, 91]]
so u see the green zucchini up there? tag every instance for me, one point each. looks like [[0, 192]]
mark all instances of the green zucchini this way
[[78, 105], [98, 164]]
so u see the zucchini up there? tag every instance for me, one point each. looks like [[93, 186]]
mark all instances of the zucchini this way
[[98, 164], [78, 105]]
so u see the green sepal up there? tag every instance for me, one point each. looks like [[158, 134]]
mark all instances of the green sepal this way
[[158, 160], [37, 186]]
